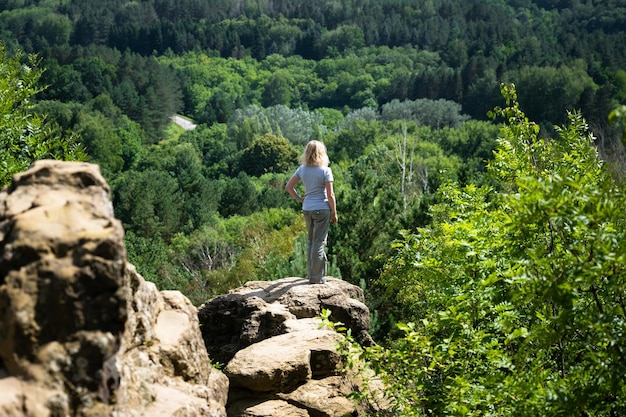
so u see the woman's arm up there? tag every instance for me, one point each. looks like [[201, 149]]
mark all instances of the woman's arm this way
[[330, 193], [290, 187]]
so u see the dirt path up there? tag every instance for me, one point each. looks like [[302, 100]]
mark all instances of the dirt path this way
[[184, 123]]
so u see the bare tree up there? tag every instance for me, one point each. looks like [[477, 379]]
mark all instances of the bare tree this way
[[404, 157]]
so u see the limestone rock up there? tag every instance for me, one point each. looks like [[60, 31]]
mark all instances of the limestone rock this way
[[81, 333], [262, 309], [270, 408], [325, 397], [163, 363], [278, 359], [284, 362]]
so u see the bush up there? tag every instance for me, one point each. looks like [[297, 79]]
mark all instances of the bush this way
[[26, 135], [515, 293]]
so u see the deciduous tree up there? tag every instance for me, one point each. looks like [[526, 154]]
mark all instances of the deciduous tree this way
[[516, 292], [27, 136], [268, 153]]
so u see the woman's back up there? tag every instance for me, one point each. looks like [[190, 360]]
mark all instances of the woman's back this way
[[314, 179]]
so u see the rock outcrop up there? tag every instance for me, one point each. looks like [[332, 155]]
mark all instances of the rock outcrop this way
[[81, 333], [277, 358]]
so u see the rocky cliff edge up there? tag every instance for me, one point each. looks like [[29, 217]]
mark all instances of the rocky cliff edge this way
[[83, 334]]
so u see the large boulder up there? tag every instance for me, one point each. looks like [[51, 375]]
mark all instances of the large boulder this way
[[262, 309], [81, 333], [278, 358], [284, 362]]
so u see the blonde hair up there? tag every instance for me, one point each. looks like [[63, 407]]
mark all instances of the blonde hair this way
[[315, 154]]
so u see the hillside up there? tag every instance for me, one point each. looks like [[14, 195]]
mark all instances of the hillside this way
[[464, 49], [278, 74], [380, 82], [479, 183]]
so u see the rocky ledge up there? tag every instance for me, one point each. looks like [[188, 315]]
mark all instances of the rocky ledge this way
[[278, 358], [83, 334]]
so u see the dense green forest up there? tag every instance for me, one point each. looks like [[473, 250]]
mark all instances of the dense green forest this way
[[453, 193]]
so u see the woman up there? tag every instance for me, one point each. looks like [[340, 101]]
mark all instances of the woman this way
[[318, 205]]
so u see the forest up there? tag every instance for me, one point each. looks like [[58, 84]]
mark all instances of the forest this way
[[477, 149]]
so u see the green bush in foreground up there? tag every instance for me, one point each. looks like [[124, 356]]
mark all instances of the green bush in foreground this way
[[27, 136], [516, 294]]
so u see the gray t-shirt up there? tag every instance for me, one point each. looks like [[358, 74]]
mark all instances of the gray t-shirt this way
[[314, 179]]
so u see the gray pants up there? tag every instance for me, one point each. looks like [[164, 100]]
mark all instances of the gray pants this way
[[317, 222]]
